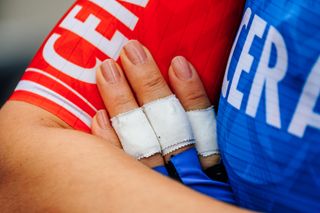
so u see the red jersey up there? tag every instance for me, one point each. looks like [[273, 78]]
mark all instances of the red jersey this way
[[61, 77]]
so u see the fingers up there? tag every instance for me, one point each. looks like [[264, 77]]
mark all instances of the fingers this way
[[188, 87], [146, 80], [163, 111], [114, 89], [143, 73], [124, 110], [102, 128]]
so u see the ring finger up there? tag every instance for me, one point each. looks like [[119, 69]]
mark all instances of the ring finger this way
[[188, 87]]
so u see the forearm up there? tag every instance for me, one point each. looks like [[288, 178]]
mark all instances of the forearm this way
[[53, 169]]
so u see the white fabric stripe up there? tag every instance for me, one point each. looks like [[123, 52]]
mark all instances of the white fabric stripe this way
[[38, 89], [63, 84], [118, 11]]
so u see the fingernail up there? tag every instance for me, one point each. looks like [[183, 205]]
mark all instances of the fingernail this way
[[181, 68], [110, 71], [135, 52], [102, 119]]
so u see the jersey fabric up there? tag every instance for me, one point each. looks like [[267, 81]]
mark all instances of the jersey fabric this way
[[269, 112], [61, 77]]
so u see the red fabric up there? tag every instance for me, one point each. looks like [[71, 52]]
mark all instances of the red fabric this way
[[202, 31]]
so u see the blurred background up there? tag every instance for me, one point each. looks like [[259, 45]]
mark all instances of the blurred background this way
[[23, 27]]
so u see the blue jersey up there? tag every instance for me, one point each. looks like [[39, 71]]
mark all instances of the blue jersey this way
[[269, 112]]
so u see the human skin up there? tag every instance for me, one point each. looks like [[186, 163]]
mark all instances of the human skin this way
[[45, 166], [117, 87]]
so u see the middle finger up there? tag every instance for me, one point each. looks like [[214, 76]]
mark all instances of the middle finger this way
[[149, 85], [143, 73]]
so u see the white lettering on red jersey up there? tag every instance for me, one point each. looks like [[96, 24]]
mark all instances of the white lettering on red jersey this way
[[61, 77]]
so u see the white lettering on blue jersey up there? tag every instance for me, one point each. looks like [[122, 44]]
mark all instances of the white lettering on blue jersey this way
[[304, 115], [269, 78], [245, 61]]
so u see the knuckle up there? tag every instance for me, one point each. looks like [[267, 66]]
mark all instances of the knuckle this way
[[123, 100], [153, 83], [195, 98]]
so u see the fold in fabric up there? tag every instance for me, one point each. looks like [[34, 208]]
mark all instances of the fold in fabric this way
[[162, 170], [189, 169]]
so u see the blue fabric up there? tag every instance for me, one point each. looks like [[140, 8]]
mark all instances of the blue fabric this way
[[162, 170], [189, 169], [271, 165]]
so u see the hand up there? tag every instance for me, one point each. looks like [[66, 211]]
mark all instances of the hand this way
[[148, 85], [150, 90]]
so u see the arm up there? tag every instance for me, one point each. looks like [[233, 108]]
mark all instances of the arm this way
[[46, 166], [170, 136]]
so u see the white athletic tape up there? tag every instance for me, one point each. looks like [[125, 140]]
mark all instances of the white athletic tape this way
[[170, 123], [136, 134], [204, 128]]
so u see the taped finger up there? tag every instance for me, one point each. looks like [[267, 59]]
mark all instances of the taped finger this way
[[136, 135], [203, 124], [170, 123]]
